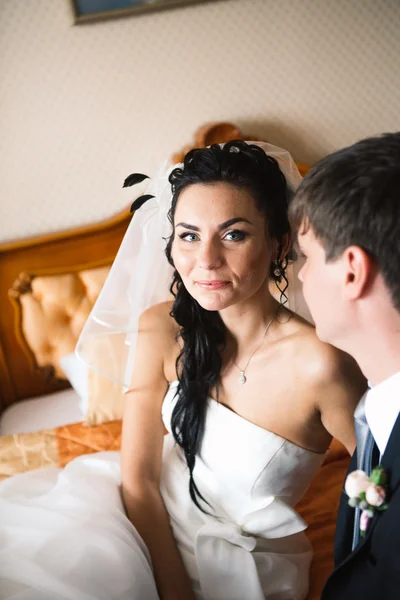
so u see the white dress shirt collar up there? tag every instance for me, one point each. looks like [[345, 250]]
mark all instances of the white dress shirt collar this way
[[382, 406]]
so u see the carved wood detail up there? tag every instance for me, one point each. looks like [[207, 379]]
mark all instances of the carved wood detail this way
[[22, 285]]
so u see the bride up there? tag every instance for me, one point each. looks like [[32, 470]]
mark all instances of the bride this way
[[250, 398]]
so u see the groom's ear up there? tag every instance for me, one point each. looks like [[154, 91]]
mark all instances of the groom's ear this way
[[360, 269]]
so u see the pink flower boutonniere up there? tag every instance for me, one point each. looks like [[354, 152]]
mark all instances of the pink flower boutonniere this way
[[367, 493]]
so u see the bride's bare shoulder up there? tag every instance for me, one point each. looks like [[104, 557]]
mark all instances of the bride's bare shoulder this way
[[294, 329], [159, 330], [308, 350], [157, 320], [319, 362]]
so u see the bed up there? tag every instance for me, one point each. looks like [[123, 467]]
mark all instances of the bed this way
[[50, 410]]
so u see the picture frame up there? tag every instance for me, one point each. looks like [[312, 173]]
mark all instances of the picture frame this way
[[89, 11]]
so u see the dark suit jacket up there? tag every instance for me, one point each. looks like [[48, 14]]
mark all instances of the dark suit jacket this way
[[372, 570]]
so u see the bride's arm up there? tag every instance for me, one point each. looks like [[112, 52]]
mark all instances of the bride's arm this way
[[141, 455]]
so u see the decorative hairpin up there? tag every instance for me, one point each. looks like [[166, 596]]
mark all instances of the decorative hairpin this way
[[133, 179]]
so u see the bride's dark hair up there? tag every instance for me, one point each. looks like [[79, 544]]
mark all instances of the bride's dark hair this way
[[247, 167]]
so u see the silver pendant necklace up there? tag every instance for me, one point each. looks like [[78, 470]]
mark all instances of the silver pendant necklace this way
[[242, 377]]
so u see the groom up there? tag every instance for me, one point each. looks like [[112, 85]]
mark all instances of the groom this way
[[347, 216]]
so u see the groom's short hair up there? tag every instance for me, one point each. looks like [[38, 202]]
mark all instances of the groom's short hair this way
[[352, 197]]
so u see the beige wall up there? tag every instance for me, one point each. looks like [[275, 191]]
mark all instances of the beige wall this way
[[84, 106]]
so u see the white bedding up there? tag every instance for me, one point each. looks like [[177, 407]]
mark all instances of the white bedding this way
[[44, 412]]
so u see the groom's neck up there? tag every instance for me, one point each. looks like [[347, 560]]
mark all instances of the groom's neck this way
[[378, 353]]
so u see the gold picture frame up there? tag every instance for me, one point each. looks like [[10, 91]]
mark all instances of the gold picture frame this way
[[89, 11]]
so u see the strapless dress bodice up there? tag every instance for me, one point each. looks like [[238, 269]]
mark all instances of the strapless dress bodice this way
[[251, 478]]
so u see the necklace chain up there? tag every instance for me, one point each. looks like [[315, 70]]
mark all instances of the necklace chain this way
[[243, 378]]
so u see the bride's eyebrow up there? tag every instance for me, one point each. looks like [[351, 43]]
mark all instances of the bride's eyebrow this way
[[187, 226], [222, 226], [233, 221]]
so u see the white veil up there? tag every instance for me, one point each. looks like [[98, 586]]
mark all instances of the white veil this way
[[141, 275]]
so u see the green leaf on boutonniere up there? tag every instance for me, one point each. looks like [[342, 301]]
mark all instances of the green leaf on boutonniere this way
[[378, 476], [362, 495]]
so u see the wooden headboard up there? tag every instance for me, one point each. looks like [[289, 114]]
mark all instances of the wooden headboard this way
[[61, 254]]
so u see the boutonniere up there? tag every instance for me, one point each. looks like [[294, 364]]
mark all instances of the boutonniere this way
[[367, 493]]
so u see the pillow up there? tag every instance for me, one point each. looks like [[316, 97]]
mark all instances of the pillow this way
[[77, 374], [105, 400], [101, 400], [105, 396]]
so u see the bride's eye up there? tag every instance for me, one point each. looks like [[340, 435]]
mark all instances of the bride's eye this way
[[235, 235], [188, 236]]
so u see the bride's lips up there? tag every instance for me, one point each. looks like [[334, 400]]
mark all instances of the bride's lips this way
[[212, 285]]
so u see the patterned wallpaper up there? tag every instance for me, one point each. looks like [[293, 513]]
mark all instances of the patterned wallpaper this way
[[83, 106]]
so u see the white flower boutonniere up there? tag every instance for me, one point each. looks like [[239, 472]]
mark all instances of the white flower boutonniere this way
[[367, 493]]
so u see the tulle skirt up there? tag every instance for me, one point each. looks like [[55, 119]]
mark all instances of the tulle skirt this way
[[64, 535]]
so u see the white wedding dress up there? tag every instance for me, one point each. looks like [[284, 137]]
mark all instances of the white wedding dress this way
[[64, 533]]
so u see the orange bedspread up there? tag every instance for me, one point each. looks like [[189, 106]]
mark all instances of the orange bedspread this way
[[56, 447]]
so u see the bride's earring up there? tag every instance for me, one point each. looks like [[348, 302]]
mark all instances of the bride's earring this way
[[278, 271], [279, 274]]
